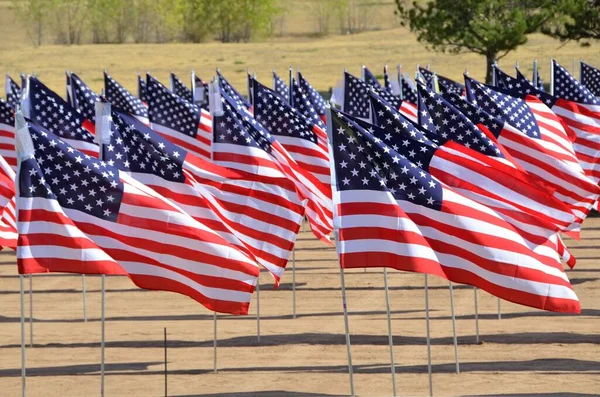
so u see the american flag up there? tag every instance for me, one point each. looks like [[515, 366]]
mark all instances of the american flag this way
[[250, 212], [408, 107], [141, 89], [84, 99], [281, 88], [369, 78], [180, 89], [242, 143], [389, 97], [301, 102], [427, 76], [387, 82], [8, 223], [78, 214], [199, 91], [123, 99], [302, 139], [178, 120], [13, 92], [232, 92], [7, 134], [590, 78], [315, 98], [450, 85], [536, 155], [476, 165], [391, 213], [356, 97], [50, 111]]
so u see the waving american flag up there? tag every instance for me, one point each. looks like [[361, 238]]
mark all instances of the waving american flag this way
[[83, 98], [123, 99]]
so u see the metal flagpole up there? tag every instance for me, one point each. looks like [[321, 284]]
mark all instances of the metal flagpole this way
[[23, 373], [84, 296], [258, 309], [476, 317], [215, 342], [428, 339], [454, 329], [102, 341], [294, 282], [31, 310], [350, 369], [390, 336], [499, 312]]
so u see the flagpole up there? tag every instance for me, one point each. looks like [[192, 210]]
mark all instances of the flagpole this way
[[476, 317], [31, 310], [258, 309], [348, 345], [454, 329], [428, 338], [23, 371], [294, 281], [84, 297], [102, 341], [390, 336], [215, 342], [551, 77], [499, 312]]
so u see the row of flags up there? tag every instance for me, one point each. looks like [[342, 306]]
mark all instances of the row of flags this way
[[194, 189]]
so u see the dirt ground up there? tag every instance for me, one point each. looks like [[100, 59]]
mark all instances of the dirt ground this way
[[527, 352]]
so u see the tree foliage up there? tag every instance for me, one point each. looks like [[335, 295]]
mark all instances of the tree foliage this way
[[491, 28], [577, 20]]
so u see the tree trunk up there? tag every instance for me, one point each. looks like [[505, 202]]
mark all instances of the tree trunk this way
[[489, 62]]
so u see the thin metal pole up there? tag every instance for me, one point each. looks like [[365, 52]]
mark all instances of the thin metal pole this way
[[294, 282], [214, 343], [102, 341], [454, 329], [23, 373], [476, 317], [84, 297], [499, 311], [350, 369], [31, 310], [166, 372], [390, 336], [258, 309], [428, 339]]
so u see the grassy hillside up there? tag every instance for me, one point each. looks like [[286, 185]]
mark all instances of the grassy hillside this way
[[321, 59]]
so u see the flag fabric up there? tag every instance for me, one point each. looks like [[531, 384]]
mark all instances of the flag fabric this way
[[356, 98], [69, 88], [303, 140], [590, 78], [408, 107], [178, 120], [391, 213], [83, 98], [50, 111], [232, 92], [427, 76], [369, 78], [251, 213], [180, 89], [13, 92], [315, 98], [387, 82], [8, 225], [91, 218], [279, 86], [124, 100], [536, 155], [7, 134], [388, 96], [141, 89], [242, 143], [199, 91], [300, 101]]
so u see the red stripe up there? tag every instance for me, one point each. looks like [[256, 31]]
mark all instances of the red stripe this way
[[188, 146]]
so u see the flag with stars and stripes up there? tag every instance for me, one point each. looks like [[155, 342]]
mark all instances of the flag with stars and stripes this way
[[123, 99], [180, 89], [300, 101], [576, 108], [141, 89], [356, 97], [590, 78], [427, 76], [232, 92], [50, 111], [199, 91], [450, 85], [78, 214], [538, 155], [302, 139], [369, 78], [178, 120], [83, 98], [315, 98], [391, 213], [13, 92], [8, 220], [250, 212], [243, 144], [281, 88], [475, 164], [408, 107], [7, 134], [387, 82], [389, 97]]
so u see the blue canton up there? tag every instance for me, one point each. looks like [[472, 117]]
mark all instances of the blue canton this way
[[180, 89], [315, 98], [281, 88], [85, 98], [122, 98]]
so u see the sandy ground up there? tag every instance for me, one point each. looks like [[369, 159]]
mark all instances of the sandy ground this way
[[527, 352]]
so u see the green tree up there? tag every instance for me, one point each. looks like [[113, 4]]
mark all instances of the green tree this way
[[577, 20], [491, 28], [34, 14]]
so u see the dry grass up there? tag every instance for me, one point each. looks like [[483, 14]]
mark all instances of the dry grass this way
[[322, 59]]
